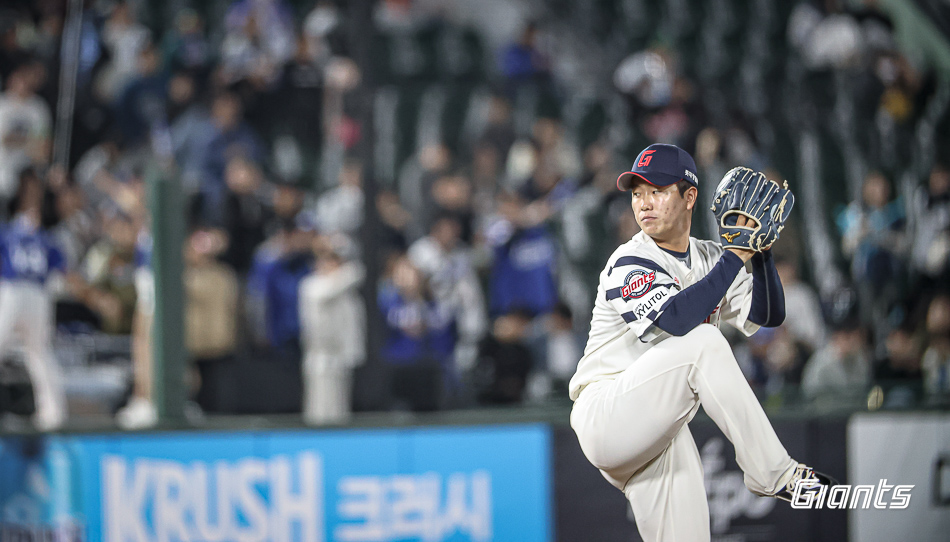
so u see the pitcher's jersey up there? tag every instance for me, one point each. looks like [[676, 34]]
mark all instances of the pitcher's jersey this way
[[639, 280]]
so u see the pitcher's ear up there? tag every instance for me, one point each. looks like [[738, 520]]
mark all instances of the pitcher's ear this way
[[692, 196]]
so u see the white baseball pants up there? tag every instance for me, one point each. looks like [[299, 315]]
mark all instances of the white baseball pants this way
[[26, 309], [327, 392], [634, 429]]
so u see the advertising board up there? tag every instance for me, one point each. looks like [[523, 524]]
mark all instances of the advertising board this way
[[380, 485]]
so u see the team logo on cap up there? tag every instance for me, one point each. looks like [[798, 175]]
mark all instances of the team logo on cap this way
[[637, 283], [645, 158]]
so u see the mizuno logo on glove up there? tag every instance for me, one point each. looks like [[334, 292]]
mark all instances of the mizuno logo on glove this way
[[744, 192]]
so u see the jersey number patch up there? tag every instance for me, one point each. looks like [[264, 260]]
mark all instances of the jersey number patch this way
[[29, 260], [637, 283]]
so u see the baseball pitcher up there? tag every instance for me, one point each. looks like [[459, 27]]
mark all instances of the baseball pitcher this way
[[655, 351]]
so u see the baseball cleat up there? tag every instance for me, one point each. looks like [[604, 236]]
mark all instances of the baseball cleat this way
[[811, 481]]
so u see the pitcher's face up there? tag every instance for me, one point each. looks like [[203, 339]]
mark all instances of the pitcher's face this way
[[662, 212]]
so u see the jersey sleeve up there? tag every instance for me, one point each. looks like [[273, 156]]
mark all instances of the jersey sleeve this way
[[738, 303], [638, 288]]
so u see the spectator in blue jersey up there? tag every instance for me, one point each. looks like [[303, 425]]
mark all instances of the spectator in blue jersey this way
[[281, 215], [281, 284], [28, 256], [252, 216], [523, 274], [420, 338], [522, 62], [255, 309], [447, 264]]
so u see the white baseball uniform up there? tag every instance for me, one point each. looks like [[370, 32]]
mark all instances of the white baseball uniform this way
[[637, 386], [27, 257]]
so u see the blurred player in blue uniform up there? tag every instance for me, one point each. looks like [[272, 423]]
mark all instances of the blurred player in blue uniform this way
[[27, 259]]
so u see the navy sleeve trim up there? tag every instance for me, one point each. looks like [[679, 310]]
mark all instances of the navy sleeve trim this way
[[629, 317], [642, 262], [768, 296], [692, 306]]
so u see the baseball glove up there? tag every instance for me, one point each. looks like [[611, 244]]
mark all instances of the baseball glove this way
[[744, 192]]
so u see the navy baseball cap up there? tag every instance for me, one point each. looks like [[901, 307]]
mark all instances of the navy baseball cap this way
[[661, 165]]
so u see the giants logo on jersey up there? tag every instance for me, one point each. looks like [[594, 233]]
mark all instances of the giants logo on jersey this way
[[637, 283]]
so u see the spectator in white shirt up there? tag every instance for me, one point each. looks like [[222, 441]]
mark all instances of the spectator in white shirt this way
[[125, 38], [340, 209], [332, 331], [24, 127]]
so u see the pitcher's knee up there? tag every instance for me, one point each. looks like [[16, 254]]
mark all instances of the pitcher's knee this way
[[707, 336]]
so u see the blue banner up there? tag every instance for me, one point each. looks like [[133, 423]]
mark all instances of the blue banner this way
[[40, 490], [387, 485]]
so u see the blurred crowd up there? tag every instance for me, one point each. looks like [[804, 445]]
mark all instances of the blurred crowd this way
[[494, 187]]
